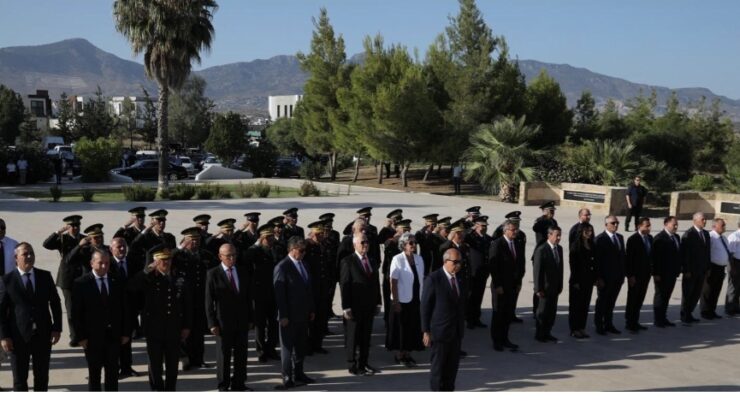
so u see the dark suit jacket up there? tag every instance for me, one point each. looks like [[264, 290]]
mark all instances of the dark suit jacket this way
[[90, 317], [610, 257], [506, 271], [442, 312], [18, 312], [293, 296], [638, 261], [168, 304], [547, 274], [225, 308], [695, 252], [80, 256], [360, 292], [666, 256]]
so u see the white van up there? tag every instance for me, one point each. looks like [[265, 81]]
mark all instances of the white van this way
[[48, 143]]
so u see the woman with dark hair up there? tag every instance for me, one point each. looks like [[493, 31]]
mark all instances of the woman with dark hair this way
[[583, 276]]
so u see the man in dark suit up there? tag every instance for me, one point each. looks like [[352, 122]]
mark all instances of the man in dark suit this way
[[360, 288], [122, 271], [541, 228], [64, 240], [295, 306], [506, 266], [230, 315], [101, 320], [584, 216], [695, 260], [520, 239], [479, 245], [666, 268], [30, 319], [610, 256], [168, 315], [639, 269], [547, 272], [443, 320]]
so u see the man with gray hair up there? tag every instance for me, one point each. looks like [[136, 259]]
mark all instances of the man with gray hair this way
[[732, 306], [719, 259], [695, 257]]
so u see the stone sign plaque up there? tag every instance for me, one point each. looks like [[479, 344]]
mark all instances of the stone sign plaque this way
[[588, 197], [730, 208]]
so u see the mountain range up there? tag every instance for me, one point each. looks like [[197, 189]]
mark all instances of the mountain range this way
[[77, 67]]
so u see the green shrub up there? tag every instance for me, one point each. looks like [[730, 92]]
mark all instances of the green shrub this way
[[308, 189], [246, 190], [219, 191], [262, 189], [204, 192], [311, 170], [138, 192], [180, 192], [701, 182], [87, 195], [97, 158], [56, 193]]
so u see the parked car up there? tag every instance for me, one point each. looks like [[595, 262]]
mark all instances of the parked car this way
[[186, 163], [287, 167], [149, 170], [211, 161], [146, 154]]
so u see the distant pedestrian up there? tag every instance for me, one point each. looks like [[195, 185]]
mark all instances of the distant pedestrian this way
[[22, 165], [58, 170], [11, 169], [636, 194], [456, 174]]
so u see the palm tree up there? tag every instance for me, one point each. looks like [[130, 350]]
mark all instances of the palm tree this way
[[607, 162], [171, 34], [497, 155]]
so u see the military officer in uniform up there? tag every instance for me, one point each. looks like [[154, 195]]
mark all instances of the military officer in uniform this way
[[194, 262], [167, 316], [281, 247], [424, 241], [81, 255], [291, 229], [389, 230], [248, 234], [151, 236], [202, 221], [316, 259], [225, 235], [372, 235], [438, 238], [331, 244], [472, 214], [133, 226], [479, 242], [260, 262], [64, 240]]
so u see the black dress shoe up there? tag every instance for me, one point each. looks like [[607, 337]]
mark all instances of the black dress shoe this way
[[127, 373], [510, 345], [600, 331], [669, 324], [365, 372], [242, 389], [463, 353], [320, 350], [285, 386], [372, 369], [305, 379], [692, 319], [641, 327], [353, 371], [517, 320], [660, 324], [540, 338], [273, 355], [410, 362], [498, 347], [613, 330], [715, 315], [262, 358], [707, 316], [470, 326], [480, 324], [552, 338], [74, 344], [685, 322], [576, 334]]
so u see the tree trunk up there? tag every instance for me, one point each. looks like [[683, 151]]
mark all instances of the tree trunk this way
[[429, 171], [333, 166], [380, 173], [162, 181], [404, 173], [357, 170], [439, 170]]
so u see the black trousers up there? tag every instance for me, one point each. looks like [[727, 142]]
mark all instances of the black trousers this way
[[475, 298], [579, 301], [547, 308], [67, 293], [293, 347], [125, 357], [633, 212], [663, 291], [317, 327], [37, 349], [167, 352], [712, 288], [691, 292], [635, 298], [503, 313], [456, 183], [357, 333], [732, 299], [232, 345], [194, 345], [606, 298], [445, 360], [103, 355], [266, 326]]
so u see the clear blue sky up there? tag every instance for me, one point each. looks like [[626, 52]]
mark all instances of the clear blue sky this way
[[674, 43]]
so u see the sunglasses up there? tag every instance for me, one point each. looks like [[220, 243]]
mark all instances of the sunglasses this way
[[456, 262], [364, 242], [614, 223], [411, 243]]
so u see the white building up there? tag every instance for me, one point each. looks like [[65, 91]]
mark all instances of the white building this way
[[116, 107], [282, 106]]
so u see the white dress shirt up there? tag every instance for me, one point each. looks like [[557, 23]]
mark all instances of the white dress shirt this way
[[718, 252], [733, 241], [23, 277], [9, 245], [300, 267], [401, 271]]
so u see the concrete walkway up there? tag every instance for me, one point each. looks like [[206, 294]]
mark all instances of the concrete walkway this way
[[700, 357]]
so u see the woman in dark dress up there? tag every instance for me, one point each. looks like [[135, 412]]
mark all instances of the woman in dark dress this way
[[406, 270], [583, 273]]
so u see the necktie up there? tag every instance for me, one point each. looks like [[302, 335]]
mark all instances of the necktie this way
[[28, 284], [453, 283], [103, 290], [724, 244], [366, 266], [231, 280], [511, 247], [555, 254], [122, 269], [703, 239], [616, 241], [304, 274], [2, 258], [675, 241], [647, 243]]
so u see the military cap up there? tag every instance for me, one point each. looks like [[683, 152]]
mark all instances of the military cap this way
[[159, 214], [266, 229], [317, 226], [474, 210], [431, 217], [365, 211], [291, 212], [193, 232], [227, 223], [514, 216], [444, 222], [253, 216], [458, 226], [138, 211], [161, 252], [397, 213], [348, 230], [94, 230], [73, 220], [481, 220], [548, 205], [202, 219], [405, 224], [327, 216], [276, 221]]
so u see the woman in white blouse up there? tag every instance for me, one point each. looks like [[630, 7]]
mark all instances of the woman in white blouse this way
[[406, 271]]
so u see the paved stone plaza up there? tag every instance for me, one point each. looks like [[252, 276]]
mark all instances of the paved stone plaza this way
[[702, 357]]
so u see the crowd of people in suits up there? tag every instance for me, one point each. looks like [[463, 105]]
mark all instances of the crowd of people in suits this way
[[278, 280]]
